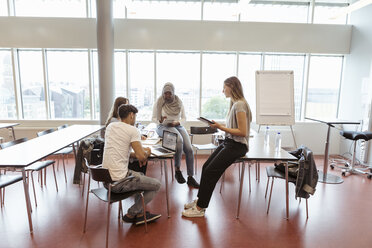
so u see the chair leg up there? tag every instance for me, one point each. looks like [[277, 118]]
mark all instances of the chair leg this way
[[33, 187], [86, 207], [271, 191], [249, 177], [45, 173], [55, 178], [267, 186], [82, 193], [144, 210], [64, 167], [108, 215], [120, 210], [196, 161], [307, 210], [259, 171], [1, 197], [172, 169]]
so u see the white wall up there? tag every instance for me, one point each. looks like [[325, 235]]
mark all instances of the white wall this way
[[357, 67]]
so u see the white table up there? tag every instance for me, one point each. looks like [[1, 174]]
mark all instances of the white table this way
[[257, 153], [24, 154]]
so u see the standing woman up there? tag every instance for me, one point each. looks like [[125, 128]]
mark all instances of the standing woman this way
[[168, 112], [235, 145]]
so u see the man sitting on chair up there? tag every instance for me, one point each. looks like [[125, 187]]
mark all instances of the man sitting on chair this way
[[120, 137]]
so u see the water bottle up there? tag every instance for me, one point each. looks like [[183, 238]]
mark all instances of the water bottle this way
[[267, 137], [278, 142]]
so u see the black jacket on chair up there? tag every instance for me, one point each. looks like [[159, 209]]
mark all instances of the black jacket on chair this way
[[307, 177]]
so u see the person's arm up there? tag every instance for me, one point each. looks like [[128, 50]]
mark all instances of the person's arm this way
[[140, 152], [242, 125], [183, 116]]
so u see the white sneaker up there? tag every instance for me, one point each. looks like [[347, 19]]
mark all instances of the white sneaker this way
[[193, 212], [190, 204]]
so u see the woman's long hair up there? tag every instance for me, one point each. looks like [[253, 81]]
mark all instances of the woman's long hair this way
[[236, 90], [114, 109]]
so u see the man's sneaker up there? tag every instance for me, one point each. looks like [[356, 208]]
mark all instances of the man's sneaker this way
[[190, 204], [180, 179], [149, 218], [193, 212], [192, 183], [129, 220]]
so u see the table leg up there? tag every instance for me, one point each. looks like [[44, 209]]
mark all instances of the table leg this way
[[166, 185], [286, 191], [240, 189], [27, 197], [14, 138], [325, 177]]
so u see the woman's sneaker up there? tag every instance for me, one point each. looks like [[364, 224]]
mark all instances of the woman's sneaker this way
[[190, 204], [149, 218], [193, 212]]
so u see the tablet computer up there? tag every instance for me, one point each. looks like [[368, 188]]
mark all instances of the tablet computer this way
[[205, 120]]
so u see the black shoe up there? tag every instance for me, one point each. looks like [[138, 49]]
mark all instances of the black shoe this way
[[149, 218], [129, 220], [192, 182], [180, 179]]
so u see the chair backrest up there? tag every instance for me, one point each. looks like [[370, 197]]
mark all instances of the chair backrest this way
[[12, 143], [99, 173], [41, 133], [202, 130], [62, 127]]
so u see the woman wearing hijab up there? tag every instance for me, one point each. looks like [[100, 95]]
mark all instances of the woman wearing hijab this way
[[168, 113]]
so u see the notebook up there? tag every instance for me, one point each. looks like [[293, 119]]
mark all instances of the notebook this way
[[168, 145]]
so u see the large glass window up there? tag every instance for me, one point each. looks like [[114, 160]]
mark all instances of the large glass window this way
[[324, 14], [141, 82], [3, 8], [275, 12], [220, 11], [52, 8], [323, 87], [215, 69], [248, 65], [7, 93], [32, 84], [183, 70], [293, 63], [181, 10], [95, 84], [68, 76], [120, 74]]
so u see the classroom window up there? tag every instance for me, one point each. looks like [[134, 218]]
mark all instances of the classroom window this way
[[294, 63], [120, 74], [95, 81], [259, 11], [141, 82], [216, 67], [220, 11], [248, 65], [180, 10], [3, 8], [68, 76], [50, 8], [323, 87], [7, 93], [31, 76], [323, 14], [183, 70]]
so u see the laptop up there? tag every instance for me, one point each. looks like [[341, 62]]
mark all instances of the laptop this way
[[168, 145]]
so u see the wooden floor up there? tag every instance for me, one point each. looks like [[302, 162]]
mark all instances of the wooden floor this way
[[339, 216]]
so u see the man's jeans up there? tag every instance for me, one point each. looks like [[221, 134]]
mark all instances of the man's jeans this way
[[183, 143], [149, 185]]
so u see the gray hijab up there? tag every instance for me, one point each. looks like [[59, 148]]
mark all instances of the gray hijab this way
[[172, 107]]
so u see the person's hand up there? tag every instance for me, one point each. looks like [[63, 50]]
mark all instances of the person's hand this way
[[162, 119], [143, 137], [215, 125], [147, 150], [176, 123]]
